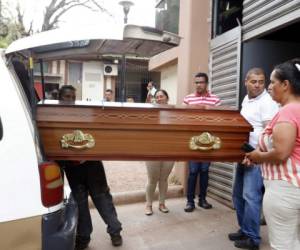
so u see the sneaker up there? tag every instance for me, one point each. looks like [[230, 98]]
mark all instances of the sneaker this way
[[247, 243], [204, 204], [116, 240], [189, 208], [237, 236], [82, 242]]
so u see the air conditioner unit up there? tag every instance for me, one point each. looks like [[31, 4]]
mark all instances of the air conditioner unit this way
[[110, 70]]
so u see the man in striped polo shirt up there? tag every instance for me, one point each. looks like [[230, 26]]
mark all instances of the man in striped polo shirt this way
[[201, 97]]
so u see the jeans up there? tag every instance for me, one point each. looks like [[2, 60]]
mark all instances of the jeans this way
[[247, 200], [86, 179], [196, 168]]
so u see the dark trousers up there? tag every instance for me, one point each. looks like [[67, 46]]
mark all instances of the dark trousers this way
[[89, 178], [195, 169]]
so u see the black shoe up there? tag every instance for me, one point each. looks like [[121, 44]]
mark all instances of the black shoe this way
[[82, 242], [237, 236], [116, 240], [189, 208], [246, 244], [204, 204]]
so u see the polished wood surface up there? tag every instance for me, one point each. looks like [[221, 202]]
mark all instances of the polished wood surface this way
[[140, 131]]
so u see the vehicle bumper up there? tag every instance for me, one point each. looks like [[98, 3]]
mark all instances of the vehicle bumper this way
[[59, 228]]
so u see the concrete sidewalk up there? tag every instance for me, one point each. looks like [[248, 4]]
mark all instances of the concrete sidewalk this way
[[177, 230], [128, 197]]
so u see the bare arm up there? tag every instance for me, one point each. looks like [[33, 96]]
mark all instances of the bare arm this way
[[284, 137]]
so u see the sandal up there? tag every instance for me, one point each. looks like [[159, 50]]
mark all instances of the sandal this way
[[163, 208], [148, 210]]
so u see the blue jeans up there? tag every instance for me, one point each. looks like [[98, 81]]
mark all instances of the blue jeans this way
[[196, 168], [247, 200]]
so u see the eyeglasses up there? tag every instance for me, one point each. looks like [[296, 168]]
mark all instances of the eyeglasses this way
[[200, 82]]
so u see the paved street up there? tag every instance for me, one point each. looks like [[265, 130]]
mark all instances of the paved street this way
[[123, 176], [202, 229]]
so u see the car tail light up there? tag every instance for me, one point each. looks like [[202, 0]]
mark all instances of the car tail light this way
[[51, 184]]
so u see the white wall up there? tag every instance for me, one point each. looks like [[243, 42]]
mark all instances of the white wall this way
[[168, 82]]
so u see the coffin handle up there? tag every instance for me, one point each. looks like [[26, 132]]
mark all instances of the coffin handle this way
[[77, 140], [205, 142]]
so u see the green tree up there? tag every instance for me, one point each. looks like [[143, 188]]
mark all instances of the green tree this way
[[4, 27], [11, 27]]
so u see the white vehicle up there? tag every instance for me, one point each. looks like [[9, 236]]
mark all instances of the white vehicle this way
[[33, 211]]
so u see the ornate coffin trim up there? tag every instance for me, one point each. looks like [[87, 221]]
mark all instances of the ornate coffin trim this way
[[77, 140]]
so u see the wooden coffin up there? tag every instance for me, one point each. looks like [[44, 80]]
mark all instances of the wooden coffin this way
[[128, 131]]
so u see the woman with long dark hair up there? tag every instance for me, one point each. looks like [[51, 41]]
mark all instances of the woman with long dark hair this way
[[279, 153]]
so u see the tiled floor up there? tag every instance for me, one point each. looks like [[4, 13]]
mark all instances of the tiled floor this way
[[177, 230]]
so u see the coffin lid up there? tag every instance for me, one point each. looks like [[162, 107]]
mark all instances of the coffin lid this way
[[95, 42]]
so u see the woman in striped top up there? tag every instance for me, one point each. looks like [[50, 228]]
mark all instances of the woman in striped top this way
[[279, 153]]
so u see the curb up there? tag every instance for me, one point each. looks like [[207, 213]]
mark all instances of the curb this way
[[129, 197]]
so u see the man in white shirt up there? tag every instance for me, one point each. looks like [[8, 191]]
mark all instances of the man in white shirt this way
[[258, 109]]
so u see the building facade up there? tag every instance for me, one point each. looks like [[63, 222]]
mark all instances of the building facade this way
[[91, 78], [226, 38]]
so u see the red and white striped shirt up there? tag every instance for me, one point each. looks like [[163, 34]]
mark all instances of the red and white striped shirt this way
[[288, 170], [196, 99]]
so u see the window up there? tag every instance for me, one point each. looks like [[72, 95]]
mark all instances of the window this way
[[37, 67], [75, 73], [167, 15], [75, 77], [225, 15]]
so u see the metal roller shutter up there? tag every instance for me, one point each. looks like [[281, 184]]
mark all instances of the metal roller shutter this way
[[225, 52], [263, 16], [220, 181]]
